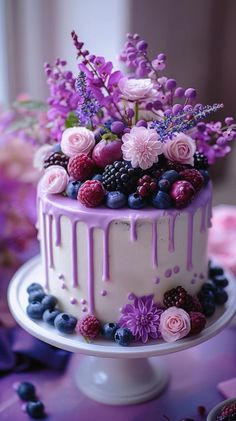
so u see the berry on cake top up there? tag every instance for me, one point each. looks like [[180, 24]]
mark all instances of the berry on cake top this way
[[128, 141]]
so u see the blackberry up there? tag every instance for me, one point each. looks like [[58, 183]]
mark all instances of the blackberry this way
[[200, 161], [57, 159], [120, 176], [192, 303], [228, 412], [171, 165], [175, 297]]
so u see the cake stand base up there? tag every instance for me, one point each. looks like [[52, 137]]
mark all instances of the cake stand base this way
[[116, 381], [110, 373]]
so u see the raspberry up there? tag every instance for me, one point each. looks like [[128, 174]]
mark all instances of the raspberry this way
[[194, 177], [120, 176], [228, 411], [182, 193], [200, 161], [81, 167], [146, 186], [89, 327], [171, 165], [57, 159], [91, 193], [198, 322], [175, 297], [192, 303]]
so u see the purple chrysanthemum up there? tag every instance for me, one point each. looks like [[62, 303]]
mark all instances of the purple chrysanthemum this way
[[142, 318]]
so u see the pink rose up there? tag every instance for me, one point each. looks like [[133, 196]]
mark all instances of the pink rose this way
[[180, 149], [77, 140], [54, 180], [137, 89], [142, 147], [174, 324]]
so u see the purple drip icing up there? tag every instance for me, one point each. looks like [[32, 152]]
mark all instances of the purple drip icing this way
[[51, 264], [45, 249], [176, 269], [83, 301], [190, 242], [193, 281], [172, 219], [73, 300], [103, 293], [154, 244], [60, 276], [63, 285], [74, 256], [131, 296], [157, 280], [101, 217], [203, 219], [90, 270], [168, 273], [84, 309]]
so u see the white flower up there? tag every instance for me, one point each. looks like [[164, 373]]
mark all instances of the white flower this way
[[41, 155], [137, 89], [77, 140]]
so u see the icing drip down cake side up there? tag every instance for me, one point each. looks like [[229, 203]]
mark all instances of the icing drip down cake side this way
[[95, 259]]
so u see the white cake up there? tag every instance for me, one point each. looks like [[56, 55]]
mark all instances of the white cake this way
[[95, 260]]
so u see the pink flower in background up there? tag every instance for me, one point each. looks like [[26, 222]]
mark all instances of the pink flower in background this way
[[174, 324], [54, 180], [77, 140], [137, 89], [222, 236], [142, 147], [142, 318], [180, 149]]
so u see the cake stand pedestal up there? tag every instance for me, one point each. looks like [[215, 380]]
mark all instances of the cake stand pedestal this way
[[110, 373]]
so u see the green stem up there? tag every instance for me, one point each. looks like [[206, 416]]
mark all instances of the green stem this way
[[136, 112]]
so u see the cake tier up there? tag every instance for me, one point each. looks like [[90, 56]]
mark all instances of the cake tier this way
[[95, 260]]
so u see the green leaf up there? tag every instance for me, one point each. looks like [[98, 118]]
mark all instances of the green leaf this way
[[30, 105], [71, 120]]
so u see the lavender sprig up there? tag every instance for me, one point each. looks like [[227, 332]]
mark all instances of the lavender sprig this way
[[89, 105], [183, 121]]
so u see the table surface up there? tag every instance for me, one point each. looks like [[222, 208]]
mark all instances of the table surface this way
[[194, 376]]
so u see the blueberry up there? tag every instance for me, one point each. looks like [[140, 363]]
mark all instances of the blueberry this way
[[209, 286], [49, 302], [65, 323], [136, 202], [220, 281], [164, 185], [37, 295], [205, 175], [73, 188], [215, 271], [97, 177], [34, 287], [35, 409], [123, 336], [221, 296], [170, 175], [206, 294], [162, 200], [49, 316], [116, 199], [26, 391], [109, 330], [57, 148], [35, 310], [208, 307]]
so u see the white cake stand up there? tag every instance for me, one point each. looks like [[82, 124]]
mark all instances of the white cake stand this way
[[110, 373]]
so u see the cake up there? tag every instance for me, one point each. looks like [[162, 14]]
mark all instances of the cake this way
[[124, 204]]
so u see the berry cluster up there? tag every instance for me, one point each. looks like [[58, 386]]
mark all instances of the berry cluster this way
[[213, 291], [27, 393], [227, 413]]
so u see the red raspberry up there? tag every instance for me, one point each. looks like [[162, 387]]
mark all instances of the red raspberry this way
[[227, 410], [198, 322], [192, 304], [89, 327], [182, 193], [146, 186], [91, 193], [194, 177], [81, 167], [171, 165]]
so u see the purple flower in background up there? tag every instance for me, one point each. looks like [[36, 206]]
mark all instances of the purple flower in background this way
[[88, 106], [142, 318]]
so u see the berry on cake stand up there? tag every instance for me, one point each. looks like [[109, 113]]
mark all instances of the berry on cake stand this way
[[110, 372]]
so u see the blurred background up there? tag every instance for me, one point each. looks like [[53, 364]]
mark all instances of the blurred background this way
[[198, 38]]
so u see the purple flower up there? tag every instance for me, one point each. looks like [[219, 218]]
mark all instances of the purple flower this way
[[142, 318]]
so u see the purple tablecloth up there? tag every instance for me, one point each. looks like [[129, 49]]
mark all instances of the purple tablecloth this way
[[194, 376]]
